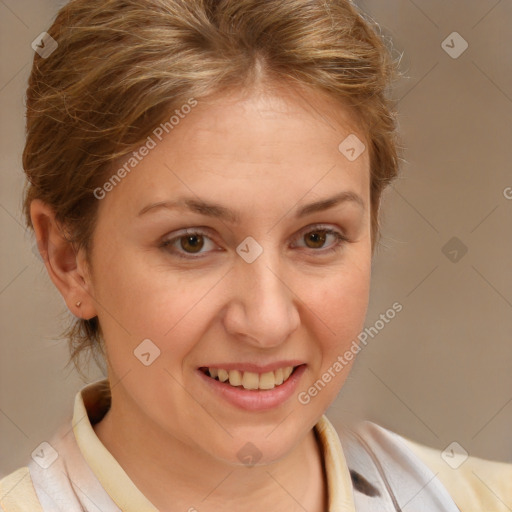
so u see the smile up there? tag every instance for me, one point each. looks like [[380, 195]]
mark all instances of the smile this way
[[250, 380]]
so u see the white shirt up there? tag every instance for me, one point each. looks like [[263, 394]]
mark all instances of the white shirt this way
[[375, 470]]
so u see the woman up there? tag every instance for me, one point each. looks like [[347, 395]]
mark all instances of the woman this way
[[204, 186]]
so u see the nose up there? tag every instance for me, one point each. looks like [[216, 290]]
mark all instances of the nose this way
[[262, 309]]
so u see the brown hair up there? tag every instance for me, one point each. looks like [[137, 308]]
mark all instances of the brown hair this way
[[122, 65]]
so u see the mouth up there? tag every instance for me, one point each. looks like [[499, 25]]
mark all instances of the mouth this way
[[251, 380]]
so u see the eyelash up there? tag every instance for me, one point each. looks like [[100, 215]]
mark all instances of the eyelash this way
[[340, 241]]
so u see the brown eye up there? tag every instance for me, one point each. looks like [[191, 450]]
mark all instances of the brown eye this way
[[315, 239], [192, 243], [320, 240]]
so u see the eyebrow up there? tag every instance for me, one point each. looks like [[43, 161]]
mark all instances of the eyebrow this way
[[221, 212]]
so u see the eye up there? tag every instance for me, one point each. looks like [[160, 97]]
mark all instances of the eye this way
[[319, 237], [192, 243], [315, 239], [189, 243]]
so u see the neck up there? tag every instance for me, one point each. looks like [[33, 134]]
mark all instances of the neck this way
[[177, 476]]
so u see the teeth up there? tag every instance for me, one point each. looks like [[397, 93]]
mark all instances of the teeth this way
[[267, 380], [235, 378], [251, 380]]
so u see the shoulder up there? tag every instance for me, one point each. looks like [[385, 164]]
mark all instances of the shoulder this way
[[380, 461], [17, 493], [474, 483]]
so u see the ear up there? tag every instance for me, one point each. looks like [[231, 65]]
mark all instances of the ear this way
[[67, 269]]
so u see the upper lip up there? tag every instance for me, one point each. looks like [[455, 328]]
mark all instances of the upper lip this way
[[255, 368]]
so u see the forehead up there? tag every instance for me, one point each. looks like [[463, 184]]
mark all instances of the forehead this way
[[270, 124], [242, 147]]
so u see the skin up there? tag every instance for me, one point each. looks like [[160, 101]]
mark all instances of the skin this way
[[263, 154]]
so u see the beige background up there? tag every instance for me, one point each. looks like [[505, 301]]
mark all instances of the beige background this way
[[441, 370]]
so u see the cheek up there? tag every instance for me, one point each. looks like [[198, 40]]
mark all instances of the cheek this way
[[347, 305], [340, 300], [342, 305], [139, 301]]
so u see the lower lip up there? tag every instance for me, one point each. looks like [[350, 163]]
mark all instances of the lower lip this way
[[257, 399]]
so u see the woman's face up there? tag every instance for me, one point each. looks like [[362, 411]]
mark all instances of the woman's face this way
[[239, 246]]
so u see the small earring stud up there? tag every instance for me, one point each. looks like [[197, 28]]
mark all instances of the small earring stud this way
[[78, 304]]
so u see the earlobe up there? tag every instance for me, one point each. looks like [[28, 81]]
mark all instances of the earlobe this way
[[66, 267]]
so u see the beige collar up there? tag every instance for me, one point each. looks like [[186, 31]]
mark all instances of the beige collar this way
[[128, 497]]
